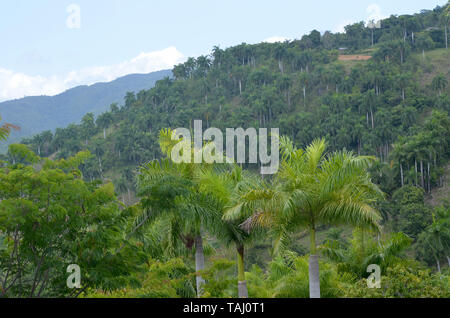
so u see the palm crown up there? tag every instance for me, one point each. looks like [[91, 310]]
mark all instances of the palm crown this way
[[312, 188]]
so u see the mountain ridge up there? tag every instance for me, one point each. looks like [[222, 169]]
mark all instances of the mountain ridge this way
[[35, 114]]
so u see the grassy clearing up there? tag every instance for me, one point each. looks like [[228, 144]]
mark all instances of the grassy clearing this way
[[435, 62]]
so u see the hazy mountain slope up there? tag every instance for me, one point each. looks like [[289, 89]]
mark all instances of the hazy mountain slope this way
[[39, 113]]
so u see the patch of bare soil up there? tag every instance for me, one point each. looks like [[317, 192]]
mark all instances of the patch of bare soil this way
[[354, 57]]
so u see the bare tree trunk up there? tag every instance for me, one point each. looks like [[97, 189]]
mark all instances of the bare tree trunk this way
[[100, 167], [415, 168], [314, 281], [199, 264], [242, 284], [371, 114], [304, 95], [421, 174], [446, 37], [401, 174]]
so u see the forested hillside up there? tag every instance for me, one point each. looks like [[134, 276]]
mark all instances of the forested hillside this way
[[386, 112], [386, 106], [35, 114]]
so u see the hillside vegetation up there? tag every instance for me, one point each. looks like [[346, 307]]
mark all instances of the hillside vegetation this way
[[35, 114], [365, 143]]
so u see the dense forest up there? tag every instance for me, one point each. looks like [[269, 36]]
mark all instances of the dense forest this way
[[365, 147]]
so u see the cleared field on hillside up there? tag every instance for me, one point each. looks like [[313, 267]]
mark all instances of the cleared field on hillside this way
[[354, 57], [435, 62]]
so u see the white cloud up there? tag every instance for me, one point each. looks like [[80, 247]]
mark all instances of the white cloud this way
[[340, 27], [375, 14], [17, 85], [275, 39]]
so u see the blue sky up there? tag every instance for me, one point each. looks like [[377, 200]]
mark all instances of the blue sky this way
[[40, 54]]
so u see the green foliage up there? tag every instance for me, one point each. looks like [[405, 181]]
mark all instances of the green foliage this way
[[433, 243], [298, 86], [410, 214], [50, 218], [171, 279], [287, 277], [220, 279], [391, 110], [364, 250], [402, 281], [312, 188]]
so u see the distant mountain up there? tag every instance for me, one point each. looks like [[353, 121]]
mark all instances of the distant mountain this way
[[39, 113]]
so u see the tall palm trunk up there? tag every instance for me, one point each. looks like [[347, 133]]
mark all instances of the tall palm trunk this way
[[371, 115], [446, 37], [242, 284], [314, 281], [421, 175], [415, 168], [304, 95], [199, 264], [401, 174]]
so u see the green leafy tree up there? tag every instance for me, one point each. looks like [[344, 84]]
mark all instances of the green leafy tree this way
[[311, 189], [436, 238], [50, 218], [439, 83]]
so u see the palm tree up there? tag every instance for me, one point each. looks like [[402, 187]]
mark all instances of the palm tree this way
[[172, 191], [444, 20], [312, 188], [226, 189], [437, 236], [168, 192]]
